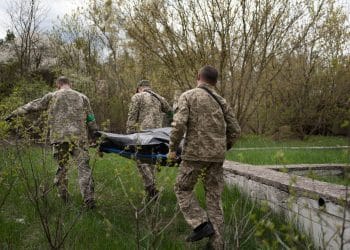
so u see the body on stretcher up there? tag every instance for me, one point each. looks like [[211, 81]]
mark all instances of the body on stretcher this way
[[149, 146]]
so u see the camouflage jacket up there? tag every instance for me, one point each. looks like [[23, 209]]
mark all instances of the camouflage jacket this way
[[146, 111], [207, 128], [70, 116]]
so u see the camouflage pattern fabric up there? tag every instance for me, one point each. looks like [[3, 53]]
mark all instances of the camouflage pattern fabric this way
[[213, 180], [146, 111], [70, 118], [209, 128], [69, 115], [80, 156], [147, 172], [201, 117]]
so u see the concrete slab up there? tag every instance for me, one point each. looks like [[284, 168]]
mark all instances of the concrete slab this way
[[321, 209]]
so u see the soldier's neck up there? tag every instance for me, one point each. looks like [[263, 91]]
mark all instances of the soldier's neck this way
[[199, 83], [65, 87]]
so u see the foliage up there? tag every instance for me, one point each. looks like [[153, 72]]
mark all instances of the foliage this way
[[282, 63], [254, 44], [23, 91], [27, 39], [112, 224], [340, 180], [268, 151]]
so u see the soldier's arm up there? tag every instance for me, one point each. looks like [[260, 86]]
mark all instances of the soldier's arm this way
[[90, 118], [36, 105], [233, 129], [179, 124], [166, 108], [133, 114], [165, 105]]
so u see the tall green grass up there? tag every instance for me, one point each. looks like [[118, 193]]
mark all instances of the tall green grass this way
[[112, 225], [283, 155], [314, 140], [340, 180]]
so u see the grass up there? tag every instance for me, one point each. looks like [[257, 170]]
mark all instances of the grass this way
[[112, 225], [340, 180], [343, 179], [284, 155]]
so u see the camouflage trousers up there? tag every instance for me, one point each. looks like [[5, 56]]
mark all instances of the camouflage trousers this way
[[80, 156], [147, 172], [213, 180]]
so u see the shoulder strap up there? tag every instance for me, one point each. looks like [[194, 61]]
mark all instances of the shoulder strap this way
[[153, 94], [215, 98]]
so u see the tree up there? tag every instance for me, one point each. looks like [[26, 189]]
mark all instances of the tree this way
[[10, 36], [280, 61], [311, 94], [243, 39], [26, 17]]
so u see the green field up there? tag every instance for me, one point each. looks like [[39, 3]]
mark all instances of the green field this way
[[340, 180], [26, 176], [282, 155], [113, 225]]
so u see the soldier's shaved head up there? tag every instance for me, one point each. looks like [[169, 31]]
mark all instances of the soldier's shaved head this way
[[63, 80], [208, 74]]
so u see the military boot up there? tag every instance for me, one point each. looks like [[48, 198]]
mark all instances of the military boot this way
[[203, 230]]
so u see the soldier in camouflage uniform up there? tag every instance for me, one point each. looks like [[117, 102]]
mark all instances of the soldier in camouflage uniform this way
[[70, 118], [146, 111], [210, 128]]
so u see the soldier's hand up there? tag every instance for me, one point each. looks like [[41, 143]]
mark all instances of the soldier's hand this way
[[171, 156], [96, 134]]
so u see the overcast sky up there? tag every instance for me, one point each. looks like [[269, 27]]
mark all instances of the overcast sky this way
[[58, 8]]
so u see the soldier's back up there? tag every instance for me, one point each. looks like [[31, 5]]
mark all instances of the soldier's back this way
[[67, 116], [206, 128], [150, 115]]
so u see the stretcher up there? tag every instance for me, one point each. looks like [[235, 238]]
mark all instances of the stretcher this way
[[150, 146]]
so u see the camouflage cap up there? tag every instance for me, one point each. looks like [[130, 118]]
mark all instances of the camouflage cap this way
[[144, 83]]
